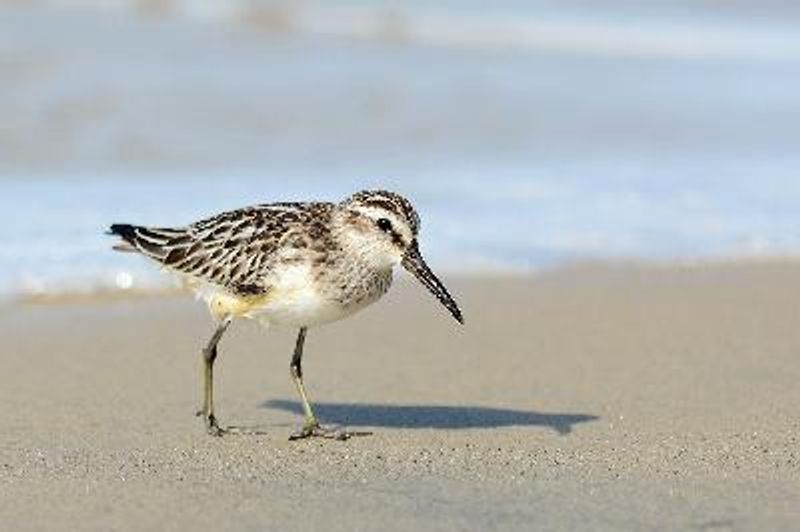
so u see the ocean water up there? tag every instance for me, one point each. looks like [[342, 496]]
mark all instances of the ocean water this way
[[528, 134]]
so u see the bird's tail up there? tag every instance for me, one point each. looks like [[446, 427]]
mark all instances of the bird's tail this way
[[154, 242]]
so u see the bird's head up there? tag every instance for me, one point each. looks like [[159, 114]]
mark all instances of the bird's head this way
[[383, 226]]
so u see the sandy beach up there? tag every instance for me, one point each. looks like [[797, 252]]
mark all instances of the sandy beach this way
[[599, 397]]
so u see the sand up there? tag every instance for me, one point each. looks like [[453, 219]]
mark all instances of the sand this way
[[600, 397]]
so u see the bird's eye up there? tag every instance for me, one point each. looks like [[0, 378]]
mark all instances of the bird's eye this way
[[384, 225]]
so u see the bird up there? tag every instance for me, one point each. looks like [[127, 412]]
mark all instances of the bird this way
[[295, 264]]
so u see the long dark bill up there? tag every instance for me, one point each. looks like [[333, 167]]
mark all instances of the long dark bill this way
[[414, 263]]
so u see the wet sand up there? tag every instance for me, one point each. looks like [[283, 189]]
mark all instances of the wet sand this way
[[596, 397]]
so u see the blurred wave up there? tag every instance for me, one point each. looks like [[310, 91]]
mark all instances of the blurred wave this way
[[527, 133], [594, 28], [517, 225]]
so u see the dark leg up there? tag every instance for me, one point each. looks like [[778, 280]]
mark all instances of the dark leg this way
[[209, 355], [311, 427]]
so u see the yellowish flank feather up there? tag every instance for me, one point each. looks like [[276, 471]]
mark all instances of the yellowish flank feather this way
[[222, 304]]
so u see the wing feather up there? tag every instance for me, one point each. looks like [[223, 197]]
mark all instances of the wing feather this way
[[235, 249]]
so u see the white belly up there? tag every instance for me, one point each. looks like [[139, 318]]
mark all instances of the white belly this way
[[297, 304], [294, 299]]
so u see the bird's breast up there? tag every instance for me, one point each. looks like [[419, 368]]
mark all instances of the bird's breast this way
[[305, 295]]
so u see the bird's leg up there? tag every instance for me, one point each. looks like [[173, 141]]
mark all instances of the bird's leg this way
[[311, 427], [209, 355], [296, 369]]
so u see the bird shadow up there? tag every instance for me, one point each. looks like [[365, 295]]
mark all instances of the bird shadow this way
[[433, 417]]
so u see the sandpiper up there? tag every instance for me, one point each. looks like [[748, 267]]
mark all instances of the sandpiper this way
[[295, 264]]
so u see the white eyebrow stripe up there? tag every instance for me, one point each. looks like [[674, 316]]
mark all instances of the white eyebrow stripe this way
[[399, 225]]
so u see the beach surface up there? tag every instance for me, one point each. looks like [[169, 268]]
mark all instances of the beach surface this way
[[600, 397]]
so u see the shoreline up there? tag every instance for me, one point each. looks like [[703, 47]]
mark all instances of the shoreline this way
[[169, 288]]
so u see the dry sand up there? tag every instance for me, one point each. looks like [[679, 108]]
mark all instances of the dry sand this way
[[590, 398]]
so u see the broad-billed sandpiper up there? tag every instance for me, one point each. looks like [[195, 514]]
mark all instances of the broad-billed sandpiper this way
[[296, 264]]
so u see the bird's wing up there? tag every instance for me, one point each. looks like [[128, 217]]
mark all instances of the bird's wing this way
[[235, 249]]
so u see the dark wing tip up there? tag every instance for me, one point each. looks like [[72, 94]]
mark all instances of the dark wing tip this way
[[125, 231], [155, 242]]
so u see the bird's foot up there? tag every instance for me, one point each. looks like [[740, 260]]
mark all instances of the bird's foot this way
[[212, 426], [315, 430]]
